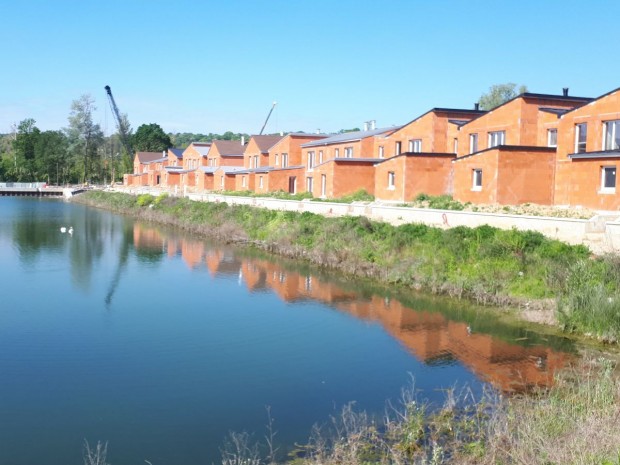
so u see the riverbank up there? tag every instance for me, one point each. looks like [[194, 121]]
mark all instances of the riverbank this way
[[545, 280]]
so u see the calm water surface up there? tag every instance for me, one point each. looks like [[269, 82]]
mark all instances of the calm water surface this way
[[161, 344]]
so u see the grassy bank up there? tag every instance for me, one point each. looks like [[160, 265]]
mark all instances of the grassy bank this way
[[484, 264], [574, 422]]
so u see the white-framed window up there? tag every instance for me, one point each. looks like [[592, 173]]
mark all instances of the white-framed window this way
[[243, 181], [309, 184], [336, 153], [323, 185], [611, 135], [497, 138], [581, 137], [348, 152], [476, 179], [260, 182], [391, 180], [473, 143], [552, 137], [276, 160], [320, 156], [310, 160], [608, 179], [256, 161], [222, 182], [381, 152], [397, 148], [455, 146], [308, 283], [284, 160], [415, 145]]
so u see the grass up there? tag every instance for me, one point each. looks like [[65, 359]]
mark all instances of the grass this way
[[484, 264], [574, 422]]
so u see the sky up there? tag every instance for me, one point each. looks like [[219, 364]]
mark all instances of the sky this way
[[207, 66]]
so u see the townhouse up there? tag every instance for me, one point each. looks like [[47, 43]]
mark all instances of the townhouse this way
[[224, 159], [430, 141], [194, 156], [172, 171], [255, 160], [588, 146], [342, 164], [507, 156], [141, 162]]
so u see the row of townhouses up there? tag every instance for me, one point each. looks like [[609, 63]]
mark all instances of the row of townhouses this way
[[536, 148]]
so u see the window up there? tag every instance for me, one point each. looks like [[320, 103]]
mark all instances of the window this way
[[310, 160], [456, 145], [497, 138], [348, 152], [284, 160], [476, 184], [243, 181], [381, 152], [397, 148], [415, 145], [256, 161], [336, 153], [260, 182], [581, 136], [222, 181], [552, 138], [611, 135], [309, 184], [320, 156], [391, 180], [276, 160], [473, 143], [608, 179], [323, 185]]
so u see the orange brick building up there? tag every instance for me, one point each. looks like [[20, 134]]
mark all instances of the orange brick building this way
[[500, 155], [589, 154]]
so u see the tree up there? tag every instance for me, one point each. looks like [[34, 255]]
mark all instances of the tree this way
[[84, 135], [52, 156], [500, 93], [24, 150], [151, 138]]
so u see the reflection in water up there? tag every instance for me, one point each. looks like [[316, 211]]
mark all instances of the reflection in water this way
[[511, 359]]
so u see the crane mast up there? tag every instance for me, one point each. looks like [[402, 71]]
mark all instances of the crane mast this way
[[263, 128], [119, 123]]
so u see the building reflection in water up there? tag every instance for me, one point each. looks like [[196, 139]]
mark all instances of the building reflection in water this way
[[505, 362]]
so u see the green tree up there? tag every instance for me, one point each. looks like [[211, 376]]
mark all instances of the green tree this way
[[85, 137], [151, 138], [52, 156], [500, 93], [24, 148]]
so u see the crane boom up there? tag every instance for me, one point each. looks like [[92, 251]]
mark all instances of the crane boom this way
[[263, 128], [123, 131]]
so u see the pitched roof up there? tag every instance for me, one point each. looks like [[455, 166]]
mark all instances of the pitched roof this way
[[347, 136], [176, 152], [201, 147], [229, 148], [145, 157], [264, 143], [595, 99]]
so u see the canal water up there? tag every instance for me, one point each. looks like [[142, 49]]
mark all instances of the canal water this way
[[161, 344]]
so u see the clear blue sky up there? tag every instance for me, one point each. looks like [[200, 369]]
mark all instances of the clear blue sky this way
[[212, 66]]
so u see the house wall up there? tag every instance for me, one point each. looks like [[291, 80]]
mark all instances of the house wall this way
[[249, 182], [278, 180], [462, 178], [329, 151], [292, 146], [397, 165], [526, 177], [578, 182], [342, 178]]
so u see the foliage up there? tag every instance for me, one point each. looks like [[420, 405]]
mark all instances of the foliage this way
[[439, 202], [151, 138], [500, 93], [85, 137], [183, 139]]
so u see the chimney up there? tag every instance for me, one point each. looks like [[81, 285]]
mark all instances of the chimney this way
[[365, 125], [242, 140], [373, 125], [163, 154], [281, 133], [318, 131], [565, 91], [477, 106]]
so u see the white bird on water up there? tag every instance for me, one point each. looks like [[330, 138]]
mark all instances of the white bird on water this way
[[63, 230], [70, 230]]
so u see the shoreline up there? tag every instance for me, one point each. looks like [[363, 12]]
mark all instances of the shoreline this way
[[283, 234]]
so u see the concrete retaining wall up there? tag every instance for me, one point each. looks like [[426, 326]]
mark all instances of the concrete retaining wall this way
[[601, 233]]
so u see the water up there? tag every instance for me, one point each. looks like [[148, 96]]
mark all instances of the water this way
[[161, 344]]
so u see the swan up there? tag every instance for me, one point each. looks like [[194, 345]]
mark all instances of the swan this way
[[63, 230], [70, 230]]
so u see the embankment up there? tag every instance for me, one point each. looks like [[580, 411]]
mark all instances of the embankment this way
[[547, 280]]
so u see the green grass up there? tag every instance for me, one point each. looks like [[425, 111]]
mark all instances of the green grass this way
[[485, 264]]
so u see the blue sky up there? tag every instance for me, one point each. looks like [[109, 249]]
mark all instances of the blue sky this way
[[205, 66]]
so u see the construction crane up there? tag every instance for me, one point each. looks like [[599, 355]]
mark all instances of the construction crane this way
[[263, 128], [123, 130]]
